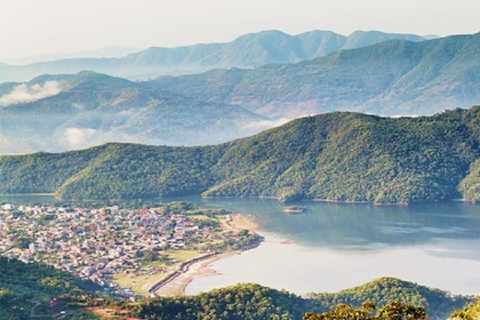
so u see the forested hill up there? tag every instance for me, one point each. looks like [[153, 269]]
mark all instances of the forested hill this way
[[438, 304], [336, 156], [27, 288], [251, 301]]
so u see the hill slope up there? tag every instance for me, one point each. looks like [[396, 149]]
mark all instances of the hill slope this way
[[438, 303], [337, 156], [250, 301], [58, 113], [390, 78], [247, 51], [22, 286]]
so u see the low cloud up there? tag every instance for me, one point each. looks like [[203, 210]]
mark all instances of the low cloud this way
[[10, 145], [257, 126], [74, 138], [25, 93]]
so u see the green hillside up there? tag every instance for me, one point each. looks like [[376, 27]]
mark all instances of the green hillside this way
[[239, 302], [27, 289], [252, 301], [438, 303], [471, 312], [336, 156], [25, 286]]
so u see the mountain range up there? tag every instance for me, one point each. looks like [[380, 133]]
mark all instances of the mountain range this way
[[397, 77], [247, 51], [337, 157], [66, 112], [107, 52]]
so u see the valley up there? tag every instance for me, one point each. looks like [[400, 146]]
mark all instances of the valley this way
[[229, 160]]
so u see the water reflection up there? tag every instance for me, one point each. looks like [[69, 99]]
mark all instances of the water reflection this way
[[343, 226], [338, 246], [359, 226]]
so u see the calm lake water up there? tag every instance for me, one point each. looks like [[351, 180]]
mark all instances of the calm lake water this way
[[333, 246]]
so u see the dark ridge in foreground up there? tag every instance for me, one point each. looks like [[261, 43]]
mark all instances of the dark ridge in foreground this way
[[253, 301], [27, 288], [336, 156], [26, 291]]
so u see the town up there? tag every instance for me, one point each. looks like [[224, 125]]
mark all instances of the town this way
[[100, 243]]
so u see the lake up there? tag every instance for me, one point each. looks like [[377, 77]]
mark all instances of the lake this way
[[333, 246]]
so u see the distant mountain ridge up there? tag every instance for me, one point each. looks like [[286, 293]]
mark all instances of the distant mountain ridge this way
[[107, 52], [335, 157], [247, 51], [65, 112], [395, 77]]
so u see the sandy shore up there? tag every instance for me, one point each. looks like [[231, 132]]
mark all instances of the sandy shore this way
[[234, 222], [238, 221], [199, 269]]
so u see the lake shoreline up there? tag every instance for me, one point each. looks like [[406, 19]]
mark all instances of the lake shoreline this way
[[201, 266], [400, 204]]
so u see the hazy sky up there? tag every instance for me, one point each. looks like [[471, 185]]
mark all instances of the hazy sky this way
[[30, 27]]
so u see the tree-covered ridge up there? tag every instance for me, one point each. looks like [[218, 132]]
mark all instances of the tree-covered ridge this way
[[133, 171], [239, 302], [23, 286], [351, 157], [337, 156], [394, 310], [27, 286], [471, 312], [384, 296], [438, 303]]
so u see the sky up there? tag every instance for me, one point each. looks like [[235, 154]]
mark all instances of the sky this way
[[32, 27]]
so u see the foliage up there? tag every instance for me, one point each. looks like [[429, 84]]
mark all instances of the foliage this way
[[240, 302], [23, 286], [471, 312], [395, 300], [437, 303], [336, 156], [394, 310]]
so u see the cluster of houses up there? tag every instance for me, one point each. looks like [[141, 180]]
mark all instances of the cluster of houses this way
[[94, 243]]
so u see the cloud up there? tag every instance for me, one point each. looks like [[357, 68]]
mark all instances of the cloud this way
[[75, 138], [25, 93], [17, 145], [257, 126]]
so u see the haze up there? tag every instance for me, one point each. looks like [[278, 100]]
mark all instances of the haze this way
[[32, 27]]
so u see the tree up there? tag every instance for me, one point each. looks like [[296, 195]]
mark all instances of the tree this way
[[471, 312], [395, 310]]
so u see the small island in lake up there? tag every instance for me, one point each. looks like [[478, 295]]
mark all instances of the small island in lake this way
[[295, 209]]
